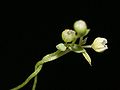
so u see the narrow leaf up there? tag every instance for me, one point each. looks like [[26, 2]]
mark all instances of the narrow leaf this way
[[87, 57]]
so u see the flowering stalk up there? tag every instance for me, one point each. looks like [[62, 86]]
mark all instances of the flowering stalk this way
[[69, 37]]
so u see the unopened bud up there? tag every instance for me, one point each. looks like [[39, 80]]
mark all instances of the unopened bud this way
[[80, 27], [68, 35]]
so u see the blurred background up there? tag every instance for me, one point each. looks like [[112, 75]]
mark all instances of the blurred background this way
[[30, 30]]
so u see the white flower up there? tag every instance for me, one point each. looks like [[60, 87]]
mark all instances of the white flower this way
[[99, 44]]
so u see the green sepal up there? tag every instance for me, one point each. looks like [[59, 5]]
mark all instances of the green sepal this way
[[87, 31]]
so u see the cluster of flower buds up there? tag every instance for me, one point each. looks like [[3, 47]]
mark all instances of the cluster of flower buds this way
[[80, 30]]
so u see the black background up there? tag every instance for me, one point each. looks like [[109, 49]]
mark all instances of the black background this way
[[30, 30]]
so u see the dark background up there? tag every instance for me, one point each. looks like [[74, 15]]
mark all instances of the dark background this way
[[30, 30]]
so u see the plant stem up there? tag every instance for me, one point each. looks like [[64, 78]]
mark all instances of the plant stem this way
[[28, 79], [87, 46], [35, 79], [38, 67], [81, 40]]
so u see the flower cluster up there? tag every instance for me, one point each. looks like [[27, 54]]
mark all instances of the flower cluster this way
[[80, 31]]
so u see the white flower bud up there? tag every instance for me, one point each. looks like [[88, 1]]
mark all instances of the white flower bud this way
[[99, 44], [68, 35], [80, 27]]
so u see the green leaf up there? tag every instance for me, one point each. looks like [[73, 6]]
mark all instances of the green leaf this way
[[87, 57], [61, 47], [77, 48]]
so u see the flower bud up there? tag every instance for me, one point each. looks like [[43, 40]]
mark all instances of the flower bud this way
[[68, 35], [80, 27], [61, 47], [99, 44]]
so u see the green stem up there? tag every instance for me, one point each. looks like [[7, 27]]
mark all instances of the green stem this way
[[53, 56], [48, 58], [38, 67], [35, 83], [28, 79], [40, 62], [87, 46], [35, 79], [80, 41]]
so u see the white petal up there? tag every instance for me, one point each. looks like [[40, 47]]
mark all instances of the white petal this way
[[99, 44]]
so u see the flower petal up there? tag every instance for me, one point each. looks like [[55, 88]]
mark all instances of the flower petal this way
[[99, 44]]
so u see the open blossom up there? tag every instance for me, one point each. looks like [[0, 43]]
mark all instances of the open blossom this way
[[99, 44]]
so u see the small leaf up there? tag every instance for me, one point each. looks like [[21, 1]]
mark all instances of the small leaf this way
[[77, 48], [61, 47], [87, 57]]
